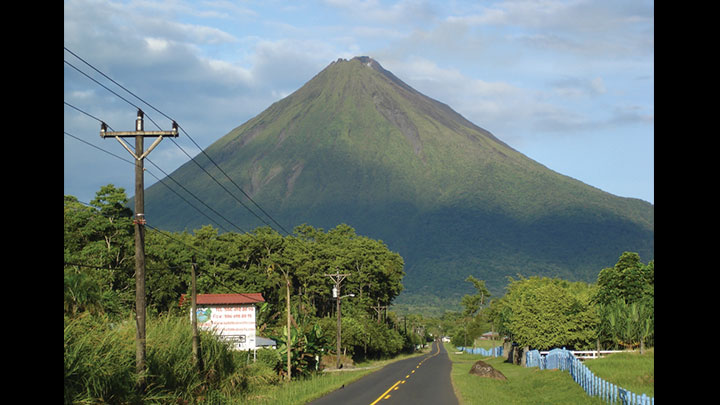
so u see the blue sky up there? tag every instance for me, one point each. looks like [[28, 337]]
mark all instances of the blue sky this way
[[569, 84]]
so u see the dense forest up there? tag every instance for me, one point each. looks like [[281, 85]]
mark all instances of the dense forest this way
[[99, 272]]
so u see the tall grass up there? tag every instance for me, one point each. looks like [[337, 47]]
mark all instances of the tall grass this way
[[99, 367], [99, 364], [99, 361]]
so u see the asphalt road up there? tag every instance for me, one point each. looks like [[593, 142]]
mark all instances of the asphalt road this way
[[417, 381]]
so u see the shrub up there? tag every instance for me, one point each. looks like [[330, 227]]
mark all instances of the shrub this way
[[270, 358]]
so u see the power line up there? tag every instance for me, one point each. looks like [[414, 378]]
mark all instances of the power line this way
[[208, 157], [220, 184], [80, 110], [189, 137], [238, 187], [165, 234], [99, 148], [163, 183], [196, 197]]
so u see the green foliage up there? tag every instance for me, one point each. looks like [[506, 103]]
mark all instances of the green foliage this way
[[628, 280], [473, 303], [99, 280], [101, 257], [626, 302], [545, 313], [304, 346], [99, 363], [628, 324], [98, 360], [98, 253], [355, 145], [271, 358]]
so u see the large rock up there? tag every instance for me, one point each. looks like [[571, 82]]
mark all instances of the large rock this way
[[482, 369]]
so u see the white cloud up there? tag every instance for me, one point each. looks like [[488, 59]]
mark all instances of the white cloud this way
[[521, 69]]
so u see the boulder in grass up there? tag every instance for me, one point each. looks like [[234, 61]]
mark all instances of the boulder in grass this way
[[482, 369]]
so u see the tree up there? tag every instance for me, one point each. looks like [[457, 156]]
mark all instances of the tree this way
[[471, 305], [629, 279], [625, 299], [629, 324], [545, 313], [98, 243]]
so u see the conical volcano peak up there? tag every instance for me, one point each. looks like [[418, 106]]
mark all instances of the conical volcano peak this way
[[356, 145], [367, 61], [362, 59]]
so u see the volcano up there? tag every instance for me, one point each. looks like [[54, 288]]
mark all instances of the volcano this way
[[357, 145]]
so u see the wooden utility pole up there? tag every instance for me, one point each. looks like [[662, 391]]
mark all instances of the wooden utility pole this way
[[337, 278], [379, 308], [193, 317], [139, 222]]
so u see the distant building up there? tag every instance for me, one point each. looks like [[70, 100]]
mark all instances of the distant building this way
[[489, 336], [231, 316]]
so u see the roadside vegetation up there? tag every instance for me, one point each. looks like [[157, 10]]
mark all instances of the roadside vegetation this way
[[99, 292], [535, 313], [544, 313]]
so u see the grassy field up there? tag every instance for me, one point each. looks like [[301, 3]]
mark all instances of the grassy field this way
[[523, 385], [631, 371]]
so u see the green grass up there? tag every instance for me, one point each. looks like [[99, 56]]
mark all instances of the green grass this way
[[99, 367], [631, 371], [523, 385]]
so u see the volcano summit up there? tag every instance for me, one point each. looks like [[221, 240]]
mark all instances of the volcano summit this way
[[357, 145]]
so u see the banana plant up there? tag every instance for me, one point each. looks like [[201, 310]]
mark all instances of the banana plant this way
[[306, 348]]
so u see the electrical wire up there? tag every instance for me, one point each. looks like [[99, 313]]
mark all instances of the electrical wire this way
[[169, 188], [189, 137], [194, 160], [165, 234]]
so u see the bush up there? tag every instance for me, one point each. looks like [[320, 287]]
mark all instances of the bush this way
[[270, 358]]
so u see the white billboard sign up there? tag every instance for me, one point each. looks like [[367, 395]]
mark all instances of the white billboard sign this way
[[235, 323]]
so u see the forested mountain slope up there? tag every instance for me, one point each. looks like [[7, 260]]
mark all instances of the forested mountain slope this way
[[356, 145]]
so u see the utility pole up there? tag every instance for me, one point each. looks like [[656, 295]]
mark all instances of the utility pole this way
[[139, 222], [378, 308], [193, 317], [337, 278]]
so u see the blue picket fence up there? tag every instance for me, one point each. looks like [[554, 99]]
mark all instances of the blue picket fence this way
[[494, 352], [593, 385]]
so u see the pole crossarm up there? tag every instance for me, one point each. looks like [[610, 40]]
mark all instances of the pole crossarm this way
[[104, 133], [337, 277], [132, 134]]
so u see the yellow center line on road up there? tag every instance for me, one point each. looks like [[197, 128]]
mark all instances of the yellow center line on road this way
[[385, 393], [395, 387]]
